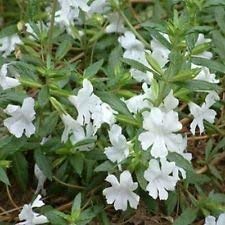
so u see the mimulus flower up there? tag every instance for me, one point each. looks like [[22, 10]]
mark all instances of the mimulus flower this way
[[203, 112], [120, 148], [41, 180], [8, 44], [121, 192], [160, 135], [161, 178], [134, 49], [90, 107], [98, 6], [211, 220], [21, 118], [5, 81], [29, 217]]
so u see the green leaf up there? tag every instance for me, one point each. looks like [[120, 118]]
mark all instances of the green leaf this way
[[48, 124], [56, 217], [210, 3], [43, 163], [77, 162], [75, 212], [93, 69], [185, 75], [219, 42], [154, 64], [171, 202], [114, 102], [187, 217], [20, 170], [106, 166], [213, 65], [63, 48], [140, 177], [3, 176], [136, 65], [43, 96]]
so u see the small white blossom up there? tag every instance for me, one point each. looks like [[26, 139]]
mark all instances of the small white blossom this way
[[120, 148], [8, 44], [203, 112], [115, 24], [160, 132], [69, 11], [21, 118], [211, 220], [5, 81], [162, 178], [90, 107], [29, 217], [205, 74], [121, 192], [159, 52], [134, 49], [41, 180]]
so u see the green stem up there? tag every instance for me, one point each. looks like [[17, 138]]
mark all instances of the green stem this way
[[134, 30]]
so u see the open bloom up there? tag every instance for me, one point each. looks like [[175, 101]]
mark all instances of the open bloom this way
[[203, 112], [41, 180], [98, 6], [8, 44], [162, 178], [21, 118], [91, 108], [5, 81], [29, 217], [211, 220], [160, 127], [120, 148], [121, 192]]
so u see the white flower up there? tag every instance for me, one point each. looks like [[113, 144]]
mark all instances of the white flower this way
[[201, 40], [76, 132], [29, 217], [211, 220], [205, 74], [169, 102], [115, 24], [120, 148], [41, 180], [5, 81], [121, 192], [134, 49], [203, 112], [69, 11], [90, 107], [161, 178], [137, 103], [8, 44], [21, 118], [85, 102], [160, 135], [159, 52]]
